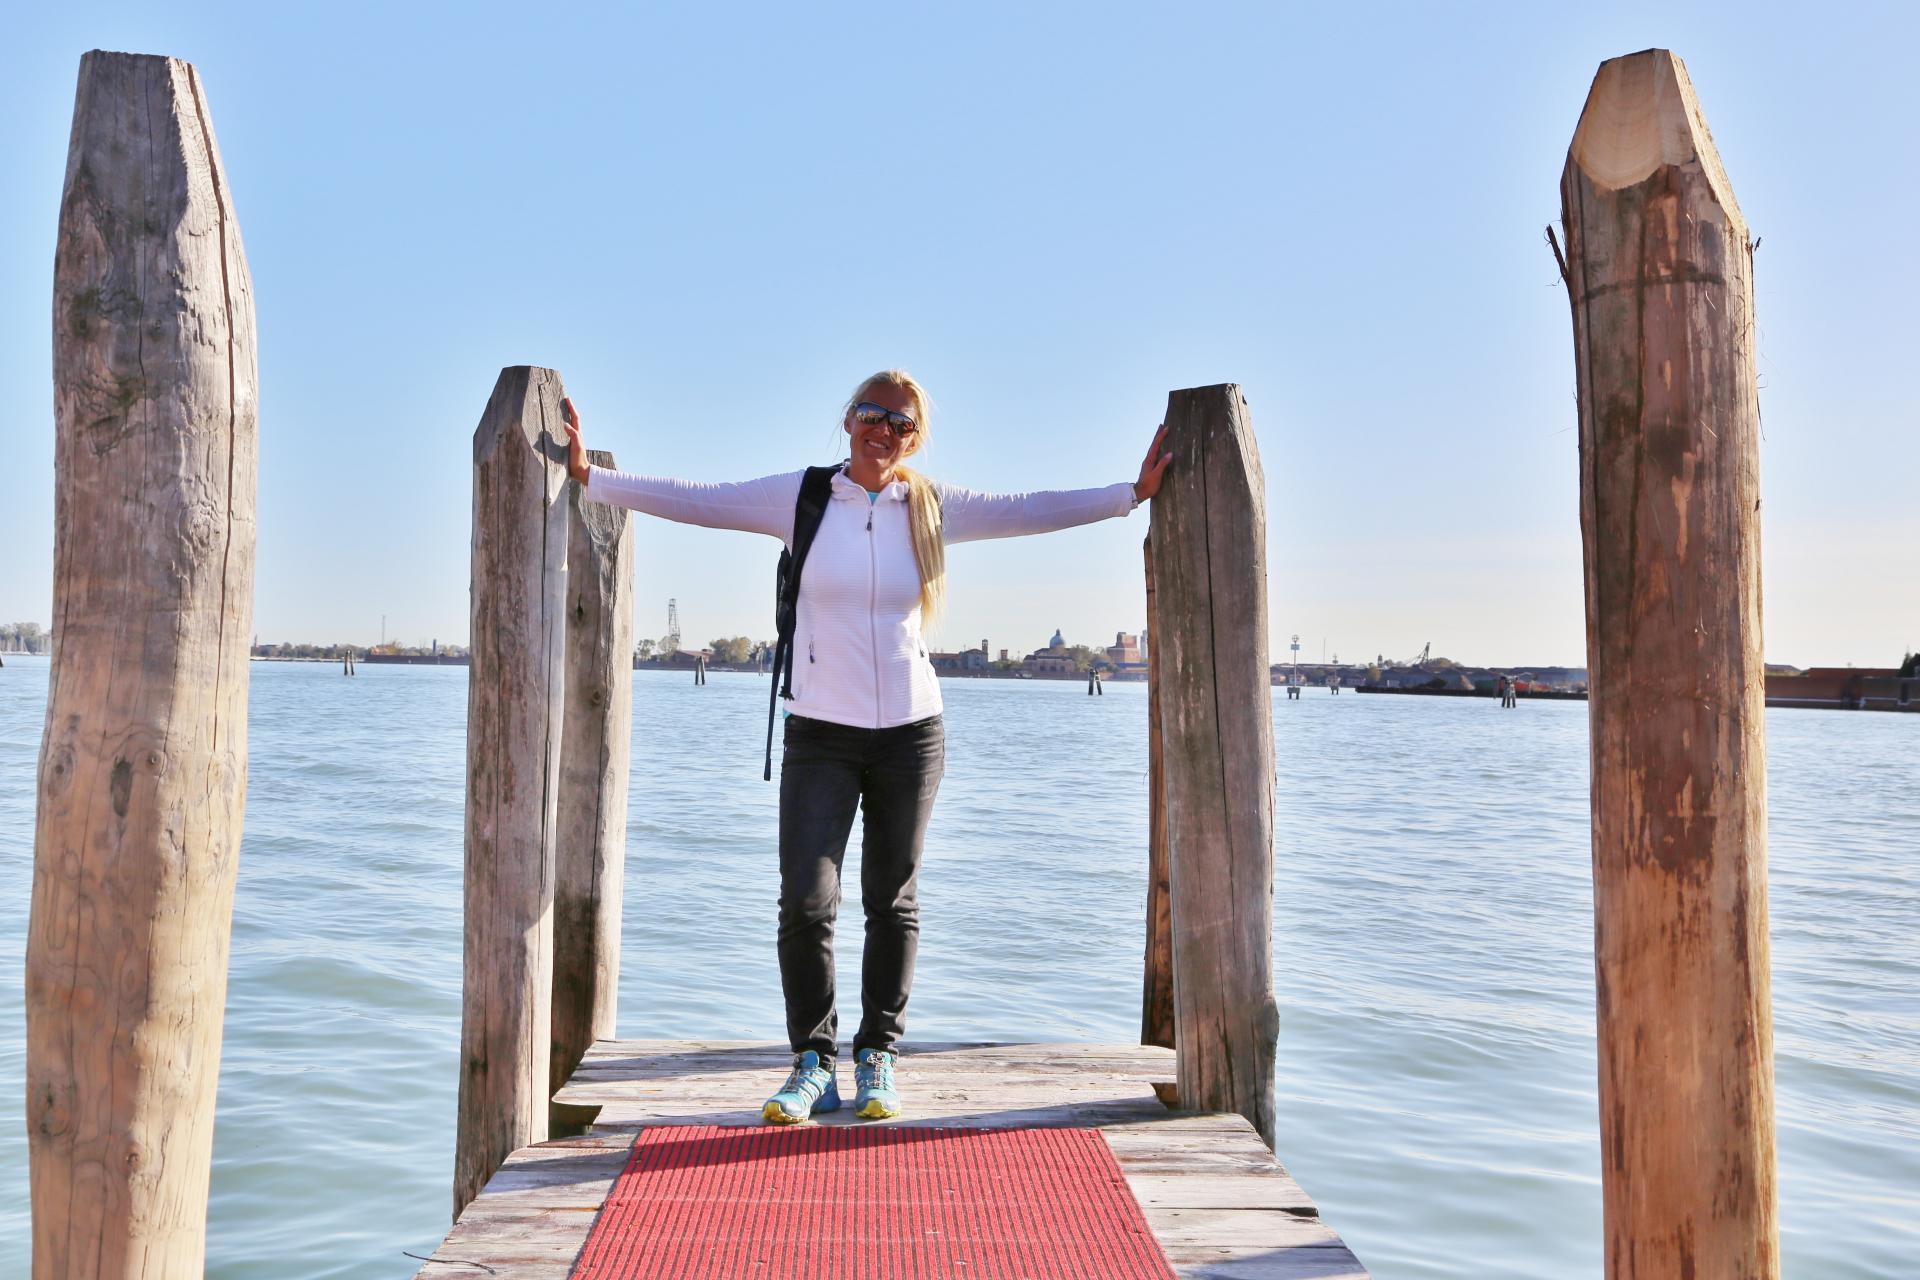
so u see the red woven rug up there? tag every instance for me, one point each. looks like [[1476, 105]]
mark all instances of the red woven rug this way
[[870, 1203]]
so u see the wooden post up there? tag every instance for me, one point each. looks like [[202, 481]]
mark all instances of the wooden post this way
[[143, 767], [515, 694], [591, 846], [1156, 1001], [1660, 274], [1216, 747]]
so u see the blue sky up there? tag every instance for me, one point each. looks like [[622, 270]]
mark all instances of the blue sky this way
[[713, 220]]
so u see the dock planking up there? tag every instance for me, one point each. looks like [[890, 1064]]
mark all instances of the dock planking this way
[[1217, 1200]]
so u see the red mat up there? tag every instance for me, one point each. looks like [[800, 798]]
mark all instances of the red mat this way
[[870, 1203]]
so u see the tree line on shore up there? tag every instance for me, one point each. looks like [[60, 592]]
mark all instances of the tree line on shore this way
[[24, 637]]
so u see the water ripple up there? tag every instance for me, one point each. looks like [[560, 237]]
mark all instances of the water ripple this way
[[1433, 954]]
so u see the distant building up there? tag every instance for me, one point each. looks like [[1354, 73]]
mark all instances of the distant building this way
[[965, 660], [1054, 660], [1125, 651], [1875, 688]]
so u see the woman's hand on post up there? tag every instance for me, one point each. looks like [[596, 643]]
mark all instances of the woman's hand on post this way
[[576, 451], [1152, 468]]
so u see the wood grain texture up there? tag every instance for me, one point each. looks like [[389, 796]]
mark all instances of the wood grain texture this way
[[591, 841], [143, 765], [1216, 743], [1660, 276], [1156, 997], [1212, 1193], [515, 699]]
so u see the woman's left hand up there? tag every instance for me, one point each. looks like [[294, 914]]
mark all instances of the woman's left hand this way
[[1150, 470]]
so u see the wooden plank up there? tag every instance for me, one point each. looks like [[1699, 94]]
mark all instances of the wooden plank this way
[[590, 843], [1256, 1227], [1216, 729], [1661, 283], [515, 697], [1225, 1262], [1199, 1187], [1156, 999], [1024, 1050], [143, 765], [917, 1072]]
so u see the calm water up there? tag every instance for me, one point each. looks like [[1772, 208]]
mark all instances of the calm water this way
[[1433, 928]]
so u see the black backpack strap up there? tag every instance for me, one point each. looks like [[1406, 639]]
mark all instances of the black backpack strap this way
[[816, 490]]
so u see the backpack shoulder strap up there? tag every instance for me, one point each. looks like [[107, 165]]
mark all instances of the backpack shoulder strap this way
[[816, 490]]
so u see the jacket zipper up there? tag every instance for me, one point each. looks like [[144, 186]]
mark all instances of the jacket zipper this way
[[873, 630]]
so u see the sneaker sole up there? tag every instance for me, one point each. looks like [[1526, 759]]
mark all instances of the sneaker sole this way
[[774, 1113], [877, 1110]]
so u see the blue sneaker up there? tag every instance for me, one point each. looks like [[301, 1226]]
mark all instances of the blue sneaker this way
[[876, 1098], [809, 1088]]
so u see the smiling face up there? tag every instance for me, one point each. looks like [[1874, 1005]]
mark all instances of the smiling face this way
[[877, 445]]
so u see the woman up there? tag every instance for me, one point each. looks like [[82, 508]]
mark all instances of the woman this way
[[864, 725]]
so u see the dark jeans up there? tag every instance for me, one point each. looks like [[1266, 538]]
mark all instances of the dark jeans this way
[[892, 775]]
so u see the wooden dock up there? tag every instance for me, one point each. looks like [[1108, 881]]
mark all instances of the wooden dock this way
[[1218, 1202]]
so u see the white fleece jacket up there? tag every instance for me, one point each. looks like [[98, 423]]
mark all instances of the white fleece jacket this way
[[859, 655]]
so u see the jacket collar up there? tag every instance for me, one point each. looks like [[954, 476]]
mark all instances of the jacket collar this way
[[845, 488]]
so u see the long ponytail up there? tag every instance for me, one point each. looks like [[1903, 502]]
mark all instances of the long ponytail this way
[[929, 545]]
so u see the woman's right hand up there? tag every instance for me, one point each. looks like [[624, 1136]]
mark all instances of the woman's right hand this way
[[576, 451]]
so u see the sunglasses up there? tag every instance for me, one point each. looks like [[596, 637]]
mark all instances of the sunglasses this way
[[868, 414]]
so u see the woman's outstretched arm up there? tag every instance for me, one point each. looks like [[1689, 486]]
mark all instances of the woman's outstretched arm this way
[[966, 516], [752, 506]]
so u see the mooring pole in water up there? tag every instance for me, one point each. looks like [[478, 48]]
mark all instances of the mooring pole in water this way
[[1659, 270], [1156, 997], [1216, 736], [142, 783], [591, 844], [515, 695]]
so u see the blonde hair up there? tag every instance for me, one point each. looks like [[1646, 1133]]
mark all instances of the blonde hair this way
[[923, 505]]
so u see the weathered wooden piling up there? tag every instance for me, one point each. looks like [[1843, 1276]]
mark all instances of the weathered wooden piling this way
[[1209, 645], [1156, 999], [143, 767], [515, 696], [591, 843], [1659, 270]]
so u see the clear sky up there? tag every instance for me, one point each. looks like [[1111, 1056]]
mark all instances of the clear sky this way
[[715, 219]]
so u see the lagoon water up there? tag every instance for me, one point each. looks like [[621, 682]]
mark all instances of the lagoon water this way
[[1432, 953]]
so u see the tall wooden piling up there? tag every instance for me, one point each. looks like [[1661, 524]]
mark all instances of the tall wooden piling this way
[[1156, 997], [1660, 275], [515, 695], [1209, 648], [591, 844], [143, 766]]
